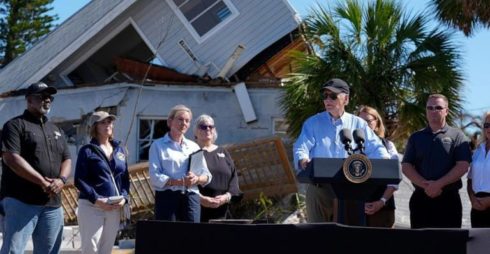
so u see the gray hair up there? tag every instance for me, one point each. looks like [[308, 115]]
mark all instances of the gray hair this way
[[200, 120]]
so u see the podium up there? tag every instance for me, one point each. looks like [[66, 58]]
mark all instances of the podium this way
[[351, 193], [330, 171]]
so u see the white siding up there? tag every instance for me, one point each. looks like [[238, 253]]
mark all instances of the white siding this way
[[15, 74], [72, 104], [259, 24], [157, 102]]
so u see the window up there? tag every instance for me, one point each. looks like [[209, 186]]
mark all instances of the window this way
[[205, 15], [149, 130], [73, 134]]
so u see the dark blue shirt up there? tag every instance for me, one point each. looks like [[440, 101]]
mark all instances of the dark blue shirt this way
[[434, 154], [93, 172]]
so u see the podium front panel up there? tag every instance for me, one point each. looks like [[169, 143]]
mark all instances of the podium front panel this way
[[329, 171]]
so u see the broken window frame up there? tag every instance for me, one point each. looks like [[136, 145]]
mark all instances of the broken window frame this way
[[144, 143], [280, 127]]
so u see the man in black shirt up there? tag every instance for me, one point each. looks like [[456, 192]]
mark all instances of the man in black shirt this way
[[435, 159], [36, 164]]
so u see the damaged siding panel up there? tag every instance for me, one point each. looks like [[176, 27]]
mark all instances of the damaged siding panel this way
[[154, 18], [156, 101], [265, 26], [160, 24], [74, 103], [68, 105], [258, 25], [22, 68], [110, 31], [11, 107]]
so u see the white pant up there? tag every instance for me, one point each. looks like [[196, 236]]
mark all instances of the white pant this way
[[98, 228]]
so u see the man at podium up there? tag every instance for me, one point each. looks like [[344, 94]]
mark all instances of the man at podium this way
[[320, 138]]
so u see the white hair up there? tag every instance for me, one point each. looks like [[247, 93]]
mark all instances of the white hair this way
[[205, 118]]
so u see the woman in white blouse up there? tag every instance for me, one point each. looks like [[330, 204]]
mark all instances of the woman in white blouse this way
[[174, 181], [479, 179]]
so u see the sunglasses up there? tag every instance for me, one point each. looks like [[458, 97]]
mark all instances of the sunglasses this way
[[370, 120], [332, 96], [43, 97], [205, 127], [486, 125], [432, 108]]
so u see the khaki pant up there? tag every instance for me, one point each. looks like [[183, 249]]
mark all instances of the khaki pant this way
[[98, 228], [321, 205]]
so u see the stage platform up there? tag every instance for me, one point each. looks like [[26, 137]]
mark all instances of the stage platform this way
[[181, 237]]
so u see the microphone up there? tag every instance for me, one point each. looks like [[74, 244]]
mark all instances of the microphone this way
[[346, 139], [359, 139]]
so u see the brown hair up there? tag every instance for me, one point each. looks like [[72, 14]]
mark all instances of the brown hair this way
[[380, 127], [93, 131]]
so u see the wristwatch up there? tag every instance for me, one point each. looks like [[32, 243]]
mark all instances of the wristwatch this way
[[63, 179], [383, 199]]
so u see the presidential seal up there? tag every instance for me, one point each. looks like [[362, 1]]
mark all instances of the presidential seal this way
[[357, 168]]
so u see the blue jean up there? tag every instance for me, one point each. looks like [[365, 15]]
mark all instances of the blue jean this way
[[175, 206], [22, 220]]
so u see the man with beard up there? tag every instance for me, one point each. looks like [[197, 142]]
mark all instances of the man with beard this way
[[36, 164]]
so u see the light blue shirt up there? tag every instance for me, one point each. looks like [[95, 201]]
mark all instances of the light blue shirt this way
[[320, 138], [169, 160]]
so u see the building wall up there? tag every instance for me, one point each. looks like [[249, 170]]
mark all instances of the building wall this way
[[220, 103], [259, 24], [156, 101], [17, 72]]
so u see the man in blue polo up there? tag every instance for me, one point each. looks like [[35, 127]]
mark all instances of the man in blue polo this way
[[36, 164], [320, 138], [435, 159]]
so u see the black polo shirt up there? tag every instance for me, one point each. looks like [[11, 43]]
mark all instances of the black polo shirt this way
[[434, 154], [42, 144]]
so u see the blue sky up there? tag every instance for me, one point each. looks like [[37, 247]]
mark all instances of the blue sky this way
[[476, 54]]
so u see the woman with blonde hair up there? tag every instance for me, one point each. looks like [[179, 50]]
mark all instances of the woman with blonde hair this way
[[479, 179], [380, 209], [102, 177], [175, 183]]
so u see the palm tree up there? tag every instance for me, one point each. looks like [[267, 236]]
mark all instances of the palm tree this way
[[391, 60], [466, 15]]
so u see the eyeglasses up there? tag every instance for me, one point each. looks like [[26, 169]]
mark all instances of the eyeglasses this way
[[486, 125], [332, 96], [43, 97], [437, 108], [205, 127]]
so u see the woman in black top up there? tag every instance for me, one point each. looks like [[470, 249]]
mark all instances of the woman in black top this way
[[380, 208], [216, 196]]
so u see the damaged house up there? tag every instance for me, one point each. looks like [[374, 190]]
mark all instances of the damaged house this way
[[137, 59]]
